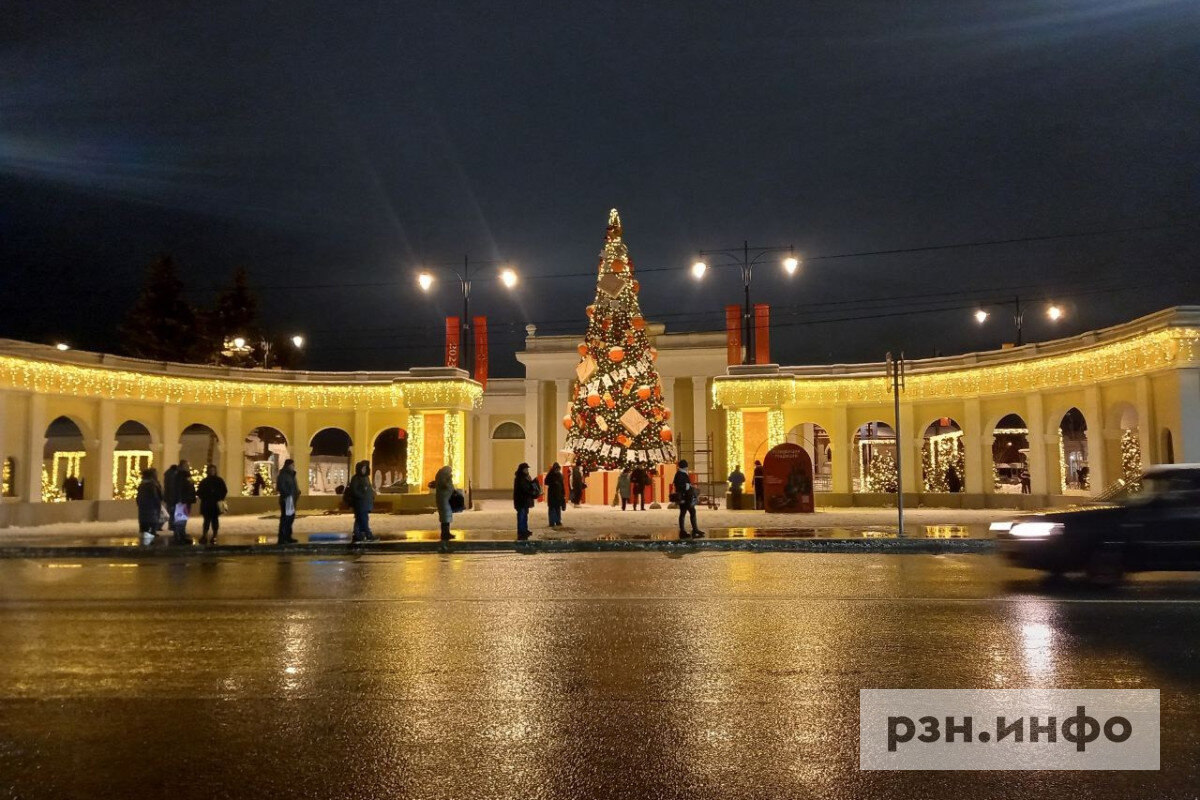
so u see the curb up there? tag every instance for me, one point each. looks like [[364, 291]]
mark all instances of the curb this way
[[882, 546]]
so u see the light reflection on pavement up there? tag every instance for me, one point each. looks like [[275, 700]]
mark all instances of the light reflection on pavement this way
[[712, 675]]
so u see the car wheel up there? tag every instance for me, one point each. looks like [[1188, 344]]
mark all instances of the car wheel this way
[[1105, 567]]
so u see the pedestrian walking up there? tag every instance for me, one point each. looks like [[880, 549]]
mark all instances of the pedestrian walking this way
[[758, 485], [624, 487], [1025, 480], [556, 495], [639, 481], [149, 505], [259, 484], [525, 493], [289, 495], [360, 495], [212, 492], [686, 497], [737, 479], [577, 485], [443, 490], [185, 498]]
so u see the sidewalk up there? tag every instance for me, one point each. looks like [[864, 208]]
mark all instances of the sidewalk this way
[[587, 529]]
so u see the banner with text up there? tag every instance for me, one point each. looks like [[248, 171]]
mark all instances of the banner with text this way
[[453, 333], [762, 333], [733, 334], [481, 350]]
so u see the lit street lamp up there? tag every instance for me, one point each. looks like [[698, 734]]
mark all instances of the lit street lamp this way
[[1053, 311], [239, 346], [508, 278], [746, 257], [63, 346]]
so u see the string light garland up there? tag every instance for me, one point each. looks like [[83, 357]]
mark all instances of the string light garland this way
[[1131, 457], [1138, 355], [454, 445], [129, 463], [416, 448], [46, 377], [734, 438]]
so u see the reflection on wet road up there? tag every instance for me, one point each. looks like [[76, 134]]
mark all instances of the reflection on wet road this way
[[723, 675]]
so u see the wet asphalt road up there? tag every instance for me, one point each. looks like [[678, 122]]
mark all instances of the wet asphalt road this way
[[712, 675]]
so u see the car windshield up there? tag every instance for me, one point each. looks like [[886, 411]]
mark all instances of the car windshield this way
[[1162, 486]]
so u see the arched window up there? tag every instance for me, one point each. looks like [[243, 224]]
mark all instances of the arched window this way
[[508, 430]]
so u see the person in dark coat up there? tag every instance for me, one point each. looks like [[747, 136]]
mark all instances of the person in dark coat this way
[[170, 487], [149, 504], [212, 491], [185, 498], [577, 485], [360, 496], [758, 484], [737, 479], [443, 489], [686, 497], [639, 481], [953, 482], [556, 495], [289, 497], [525, 493], [72, 489], [260, 483]]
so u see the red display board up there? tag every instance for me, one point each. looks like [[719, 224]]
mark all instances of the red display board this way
[[453, 334], [762, 333], [733, 334], [788, 480], [481, 351]]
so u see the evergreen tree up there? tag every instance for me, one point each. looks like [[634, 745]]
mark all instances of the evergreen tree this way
[[161, 325], [616, 417], [234, 313]]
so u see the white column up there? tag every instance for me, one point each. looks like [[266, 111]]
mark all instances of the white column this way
[[699, 410], [170, 429], [1043, 473], [561, 393], [1097, 459], [232, 452], [1146, 421], [842, 444], [35, 451], [104, 451], [484, 478], [1187, 449], [668, 397], [912, 440], [533, 407], [300, 449], [977, 451]]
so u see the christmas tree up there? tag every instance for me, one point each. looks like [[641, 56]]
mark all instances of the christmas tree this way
[[616, 417]]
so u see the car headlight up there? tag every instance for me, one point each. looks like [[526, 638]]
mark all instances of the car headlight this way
[[1036, 530], [1000, 526]]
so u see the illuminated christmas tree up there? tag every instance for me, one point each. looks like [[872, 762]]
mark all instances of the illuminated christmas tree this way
[[882, 476], [616, 417], [1131, 457]]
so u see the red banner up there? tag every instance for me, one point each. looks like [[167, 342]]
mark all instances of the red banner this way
[[762, 333], [481, 350], [453, 334], [733, 334]]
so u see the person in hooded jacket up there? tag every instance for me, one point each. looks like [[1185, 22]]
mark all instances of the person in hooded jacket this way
[[526, 491], [577, 485], [556, 495], [443, 487], [360, 496], [149, 504], [289, 490], [686, 497], [185, 496]]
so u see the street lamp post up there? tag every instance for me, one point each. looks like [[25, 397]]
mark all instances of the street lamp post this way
[[1053, 311], [745, 258], [425, 280]]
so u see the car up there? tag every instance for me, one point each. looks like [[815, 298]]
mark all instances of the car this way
[[1152, 523]]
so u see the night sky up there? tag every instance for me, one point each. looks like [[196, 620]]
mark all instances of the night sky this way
[[331, 148]]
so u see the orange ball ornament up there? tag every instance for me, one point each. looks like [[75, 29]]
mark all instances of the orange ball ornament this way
[[643, 393], [623, 440], [590, 310], [568, 422], [665, 433], [608, 400], [637, 286], [582, 348], [666, 413], [616, 353], [593, 400], [639, 323], [618, 265]]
